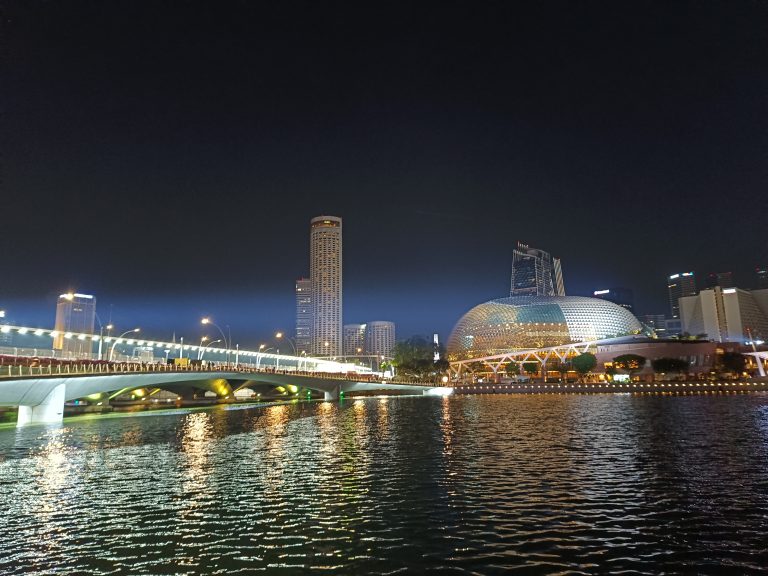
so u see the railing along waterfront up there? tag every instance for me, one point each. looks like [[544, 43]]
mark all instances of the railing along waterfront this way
[[96, 369], [606, 387]]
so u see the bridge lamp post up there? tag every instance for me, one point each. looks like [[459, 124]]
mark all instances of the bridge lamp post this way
[[112, 350], [280, 335], [204, 348], [101, 335], [226, 342], [200, 347], [262, 350], [291, 341]]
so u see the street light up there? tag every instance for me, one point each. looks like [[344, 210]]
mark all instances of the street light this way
[[112, 350], [227, 343], [280, 335], [101, 335], [204, 348], [262, 350]]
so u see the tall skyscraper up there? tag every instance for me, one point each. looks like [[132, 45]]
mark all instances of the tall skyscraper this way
[[354, 339], [74, 313], [380, 338], [624, 297], [535, 273], [761, 274], [303, 315], [679, 286], [325, 275], [721, 279]]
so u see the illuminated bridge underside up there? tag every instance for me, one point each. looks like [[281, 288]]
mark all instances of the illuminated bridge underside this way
[[41, 399]]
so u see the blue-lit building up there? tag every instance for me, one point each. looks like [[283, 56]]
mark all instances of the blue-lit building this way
[[535, 273]]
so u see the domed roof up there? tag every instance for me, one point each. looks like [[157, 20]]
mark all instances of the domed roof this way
[[523, 322]]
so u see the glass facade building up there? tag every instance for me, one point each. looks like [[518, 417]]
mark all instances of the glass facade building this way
[[303, 315], [535, 273], [679, 286], [524, 322], [354, 339], [380, 338], [74, 313]]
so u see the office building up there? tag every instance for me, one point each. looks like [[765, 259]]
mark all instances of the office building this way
[[325, 275], [354, 339], [761, 277], [721, 279], [535, 273], [75, 313], [624, 297], [380, 338], [679, 286], [726, 314], [303, 315]]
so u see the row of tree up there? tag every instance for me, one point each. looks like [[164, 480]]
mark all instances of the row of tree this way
[[416, 357]]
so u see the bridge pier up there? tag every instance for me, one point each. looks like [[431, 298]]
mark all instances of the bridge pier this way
[[49, 411], [332, 395]]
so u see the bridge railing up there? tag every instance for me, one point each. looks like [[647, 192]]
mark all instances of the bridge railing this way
[[95, 369]]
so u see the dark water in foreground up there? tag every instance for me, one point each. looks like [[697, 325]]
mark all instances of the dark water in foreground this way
[[463, 485]]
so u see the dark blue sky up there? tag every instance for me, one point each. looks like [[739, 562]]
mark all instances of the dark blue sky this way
[[168, 156]]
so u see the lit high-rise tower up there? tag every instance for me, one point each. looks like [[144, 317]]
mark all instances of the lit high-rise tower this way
[[679, 286], [303, 315], [380, 339], [74, 313], [326, 285], [535, 273]]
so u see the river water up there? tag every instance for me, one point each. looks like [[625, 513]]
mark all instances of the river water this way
[[533, 484]]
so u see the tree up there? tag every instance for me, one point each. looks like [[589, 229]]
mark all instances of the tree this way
[[531, 367], [416, 357], [512, 369], [631, 363], [584, 363], [671, 365]]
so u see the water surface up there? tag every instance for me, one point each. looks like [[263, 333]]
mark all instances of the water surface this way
[[577, 484]]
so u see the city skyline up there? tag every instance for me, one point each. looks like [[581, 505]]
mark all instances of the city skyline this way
[[431, 156], [145, 312]]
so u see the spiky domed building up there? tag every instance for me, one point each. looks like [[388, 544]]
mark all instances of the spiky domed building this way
[[524, 322]]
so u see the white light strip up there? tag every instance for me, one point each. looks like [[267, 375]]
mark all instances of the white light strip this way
[[318, 363]]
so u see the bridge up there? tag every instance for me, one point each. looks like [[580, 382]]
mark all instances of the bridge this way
[[40, 392]]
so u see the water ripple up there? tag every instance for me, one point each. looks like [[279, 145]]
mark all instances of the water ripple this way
[[461, 485]]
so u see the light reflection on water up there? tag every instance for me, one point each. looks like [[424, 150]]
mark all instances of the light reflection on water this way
[[475, 485]]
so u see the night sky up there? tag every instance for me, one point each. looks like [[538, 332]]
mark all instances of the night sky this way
[[168, 156]]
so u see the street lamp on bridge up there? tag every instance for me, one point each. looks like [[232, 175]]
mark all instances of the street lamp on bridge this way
[[112, 350], [227, 343], [262, 350], [204, 348], [291, 341], [109, 328]]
